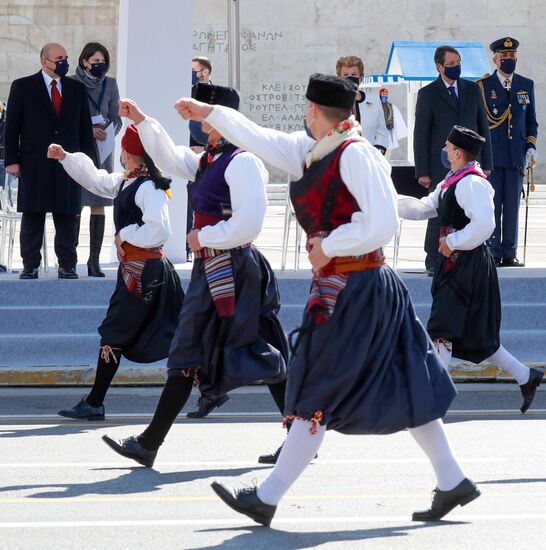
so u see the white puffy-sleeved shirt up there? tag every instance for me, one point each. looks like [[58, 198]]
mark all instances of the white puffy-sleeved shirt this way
[[363, 170], [245, 175], [153, 202], [474, 195]]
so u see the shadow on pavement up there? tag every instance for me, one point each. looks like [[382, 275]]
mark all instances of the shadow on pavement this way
[[260, 537], [137, 480]]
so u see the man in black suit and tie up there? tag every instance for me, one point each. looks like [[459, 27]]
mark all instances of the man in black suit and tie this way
[[44, 108], [448, 101]]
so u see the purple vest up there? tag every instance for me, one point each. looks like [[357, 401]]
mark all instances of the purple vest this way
[[209, 193]]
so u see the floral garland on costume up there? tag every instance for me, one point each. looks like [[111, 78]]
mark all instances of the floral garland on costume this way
[[139, 172], [346, 129]]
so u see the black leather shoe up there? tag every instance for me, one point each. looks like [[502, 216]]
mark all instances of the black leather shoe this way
[[130, 447], [245, 501], [430, 271], [444, 501], [498, 262], [512, 262], [83, 411], [206, 404], [29, 273], [67, 273], [272, 458], [529, 389]]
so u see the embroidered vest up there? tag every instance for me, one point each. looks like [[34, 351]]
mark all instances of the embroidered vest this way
[[209, 195], [126, 212], [450, 213], [321, 200]]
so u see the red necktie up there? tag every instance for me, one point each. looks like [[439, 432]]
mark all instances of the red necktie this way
[[56, 97]]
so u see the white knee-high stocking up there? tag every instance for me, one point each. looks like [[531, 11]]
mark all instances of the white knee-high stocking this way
[[299, 448], [506, 361], [444, 350], [433, 440]]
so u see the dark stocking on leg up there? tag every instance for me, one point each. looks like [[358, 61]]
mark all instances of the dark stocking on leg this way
[[176, 392], [107, 366], [278, 391]]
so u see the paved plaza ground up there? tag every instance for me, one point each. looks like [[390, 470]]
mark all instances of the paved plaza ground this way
[[61, 485]]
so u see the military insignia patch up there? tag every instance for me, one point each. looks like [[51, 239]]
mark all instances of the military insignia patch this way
[[523, 97], [495, 111], [493, 94], [508, 43]]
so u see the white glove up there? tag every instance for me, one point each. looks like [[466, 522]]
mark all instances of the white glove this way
[[530, 157]]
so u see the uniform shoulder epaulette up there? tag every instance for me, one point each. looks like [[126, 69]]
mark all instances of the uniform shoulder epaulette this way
[[486, 75]]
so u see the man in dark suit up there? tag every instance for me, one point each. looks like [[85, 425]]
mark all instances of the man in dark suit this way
[[509, 100], [442, 104], [47, 108]]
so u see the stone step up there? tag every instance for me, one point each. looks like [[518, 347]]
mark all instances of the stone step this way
[[37, 320], [53, 323], [87, 291], [82, 349]]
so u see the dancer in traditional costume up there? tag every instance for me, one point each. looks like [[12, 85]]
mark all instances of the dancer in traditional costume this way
[[362, 362], [229, 334], [143, 313], [465, 318]]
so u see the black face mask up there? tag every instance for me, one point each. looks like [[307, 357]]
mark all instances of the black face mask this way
[[453, 73], [61, 67], [98, 69], [507, 66]]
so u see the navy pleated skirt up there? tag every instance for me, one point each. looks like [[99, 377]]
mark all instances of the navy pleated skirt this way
[[144, 326], [371, 368], [466, 305], [229, 352]]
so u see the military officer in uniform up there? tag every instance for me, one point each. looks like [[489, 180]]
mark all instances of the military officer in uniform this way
[[509, 100]]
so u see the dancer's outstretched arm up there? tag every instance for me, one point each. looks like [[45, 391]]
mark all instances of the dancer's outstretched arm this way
[[284, 151], [82, 170], [172, 159]]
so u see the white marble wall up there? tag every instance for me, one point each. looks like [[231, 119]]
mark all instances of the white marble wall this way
[[26, 25], [283, 41]]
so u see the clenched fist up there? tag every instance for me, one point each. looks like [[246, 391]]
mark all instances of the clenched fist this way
[[191, 109], [55, 152], [129, 109]]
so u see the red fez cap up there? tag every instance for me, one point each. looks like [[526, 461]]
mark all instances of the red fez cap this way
[[131, 141]]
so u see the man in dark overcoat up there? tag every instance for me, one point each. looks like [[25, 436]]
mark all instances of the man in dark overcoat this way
[[45, 108]]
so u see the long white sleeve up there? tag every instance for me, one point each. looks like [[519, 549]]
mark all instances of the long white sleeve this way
[[366, 174], [81, 169], [284, 151], [247, 177], [475, 195], [173, 160], [155, 215], [411, 208]]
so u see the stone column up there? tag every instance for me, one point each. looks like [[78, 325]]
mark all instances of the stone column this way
[[154, 69]]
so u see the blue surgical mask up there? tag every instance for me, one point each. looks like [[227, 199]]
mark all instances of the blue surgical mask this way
[[98, 69], [453, 73], [384, 99], [194, 77], [507, 66], [61, 67], [445, 160], [197, 134], [306, 127]]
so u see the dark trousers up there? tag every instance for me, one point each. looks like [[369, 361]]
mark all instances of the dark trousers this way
[[432, 242], [32, 236], [507, 183]]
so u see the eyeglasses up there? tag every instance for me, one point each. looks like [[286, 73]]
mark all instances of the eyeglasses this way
[[452, 64]]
